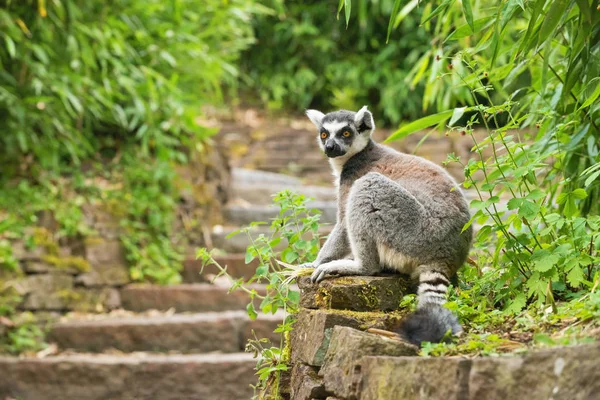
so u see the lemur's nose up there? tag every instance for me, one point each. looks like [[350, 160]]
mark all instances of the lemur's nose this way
[[329, 146]]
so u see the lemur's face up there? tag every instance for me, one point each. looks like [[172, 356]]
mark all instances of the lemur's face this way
[[342, 133]]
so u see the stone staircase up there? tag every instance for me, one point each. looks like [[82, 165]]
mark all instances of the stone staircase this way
[[181, 341]]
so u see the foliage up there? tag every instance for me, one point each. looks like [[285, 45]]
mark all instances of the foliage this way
[[303, 58], [527, 72], [542, 244], [540, 60], [105, 87], [77, 78], [293, 237]]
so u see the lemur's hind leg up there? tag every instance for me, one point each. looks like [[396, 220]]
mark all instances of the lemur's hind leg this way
[[376, 208]]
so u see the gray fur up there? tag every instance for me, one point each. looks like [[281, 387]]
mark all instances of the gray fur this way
[[395, 211]]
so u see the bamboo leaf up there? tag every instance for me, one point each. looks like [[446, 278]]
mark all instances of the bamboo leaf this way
[[10, 46], [551, 19], [442, 7], [535, 13], [456, 115], [347, 10], [340, 6], [465, 30], [468, 10], [422, 123], [592, 97], [392, 18]]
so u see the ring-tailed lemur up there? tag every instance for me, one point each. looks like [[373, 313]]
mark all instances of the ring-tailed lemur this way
[[395, 211]]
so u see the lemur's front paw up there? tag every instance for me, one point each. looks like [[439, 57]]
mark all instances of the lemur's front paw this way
[[321, 273]]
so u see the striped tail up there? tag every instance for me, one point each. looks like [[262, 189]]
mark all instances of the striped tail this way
[[431, 321]]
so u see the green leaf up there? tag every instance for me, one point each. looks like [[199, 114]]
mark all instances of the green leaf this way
[[290, 256], [544, 260], [249, 257], [579, 194], [392, 18], [516, 305], [262, 271], [456, 115], [552, 18], [340, 6], [251, 312], [468, 10], [10, 46], [422, 123], [592, 97], [536, 194], [528, 210], [294, 297], [466, 30], [575, 276], [513, 204], [347, 9], [439, 9], [592, 178]]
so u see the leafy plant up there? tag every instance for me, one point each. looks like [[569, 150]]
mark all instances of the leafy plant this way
[[302, 57], [78, 78], [294, 238]]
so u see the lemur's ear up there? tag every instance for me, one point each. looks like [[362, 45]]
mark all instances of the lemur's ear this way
[[315, 116], [364, 120]]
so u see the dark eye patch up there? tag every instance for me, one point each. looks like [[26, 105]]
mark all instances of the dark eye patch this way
[[340, 133]]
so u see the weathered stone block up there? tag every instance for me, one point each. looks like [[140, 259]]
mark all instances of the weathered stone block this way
[[183, 333], [559, 373], [21, 252], [313, 328], [126, 377], [93, 299], [357, 293], [408, 378], [306, 383], [45, 292], [107, 261], [197, 297], [346, 347], [566, 373]]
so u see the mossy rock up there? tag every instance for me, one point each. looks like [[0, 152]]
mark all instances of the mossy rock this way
[[357, 293], [313, 328]]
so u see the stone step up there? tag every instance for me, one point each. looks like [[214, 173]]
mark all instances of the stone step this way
[[226, 332], [235, 264], [133, 376], [263, 193], [199, 297], [250, 176], [245, 214], [239, 243]]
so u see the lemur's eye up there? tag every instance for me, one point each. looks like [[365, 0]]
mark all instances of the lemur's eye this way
[[323, 135], [346, 134]]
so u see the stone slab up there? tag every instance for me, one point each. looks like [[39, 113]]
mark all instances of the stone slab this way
[[199, 297], [564, 373], [45, 292], [346, 347], [313, 329], [140, 377], [225, 332], [357, 293], [107, 262], [199, 333], [306, 383]]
